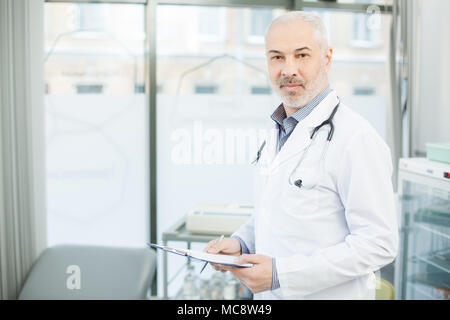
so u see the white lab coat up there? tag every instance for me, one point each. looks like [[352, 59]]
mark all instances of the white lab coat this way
[[328, 241]]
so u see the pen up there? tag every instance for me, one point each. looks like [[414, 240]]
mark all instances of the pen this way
[[217, 242]]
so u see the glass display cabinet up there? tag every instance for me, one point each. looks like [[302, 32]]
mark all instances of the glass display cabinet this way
[[422, 269]]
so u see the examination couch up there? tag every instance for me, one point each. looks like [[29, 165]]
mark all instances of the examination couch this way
[[90, 272]]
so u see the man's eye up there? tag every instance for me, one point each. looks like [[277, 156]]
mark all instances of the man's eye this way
[[302, 55], [277, 57]]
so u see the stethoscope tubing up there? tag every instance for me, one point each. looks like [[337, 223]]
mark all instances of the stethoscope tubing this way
[[299, 183], [328, 121]]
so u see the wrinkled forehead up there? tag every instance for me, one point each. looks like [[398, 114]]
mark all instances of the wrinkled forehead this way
[[290, 35]]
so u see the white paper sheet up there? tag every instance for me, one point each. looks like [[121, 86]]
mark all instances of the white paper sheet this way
[[203, 256]]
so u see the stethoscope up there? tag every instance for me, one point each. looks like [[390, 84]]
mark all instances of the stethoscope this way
[[299, 182]]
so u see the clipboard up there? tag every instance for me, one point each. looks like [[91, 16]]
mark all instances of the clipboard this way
[[222, 259]]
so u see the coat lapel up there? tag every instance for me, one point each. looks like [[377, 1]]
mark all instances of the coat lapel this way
[[270, 149]]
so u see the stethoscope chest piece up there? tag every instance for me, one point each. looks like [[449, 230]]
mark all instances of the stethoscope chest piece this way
[[298, 183]]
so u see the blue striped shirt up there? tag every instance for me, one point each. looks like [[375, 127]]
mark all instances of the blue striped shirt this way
[[286, 125]]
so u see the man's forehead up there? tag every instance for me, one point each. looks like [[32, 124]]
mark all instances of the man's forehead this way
[[305, 48], [280, 46], [290, 36], [291, 26]]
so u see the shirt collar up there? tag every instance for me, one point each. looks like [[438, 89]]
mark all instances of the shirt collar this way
[[279, 115]]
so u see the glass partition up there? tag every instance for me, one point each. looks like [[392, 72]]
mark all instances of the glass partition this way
[[214, 98], [360, 68], [96, 124], [214, 102]]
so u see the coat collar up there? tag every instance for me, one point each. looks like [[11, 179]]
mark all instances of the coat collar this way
[[321, 112], [300, 137]]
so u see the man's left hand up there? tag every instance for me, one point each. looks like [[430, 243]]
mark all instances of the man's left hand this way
[[257, 278]]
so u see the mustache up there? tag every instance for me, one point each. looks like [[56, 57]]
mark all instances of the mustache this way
[[284, 80]]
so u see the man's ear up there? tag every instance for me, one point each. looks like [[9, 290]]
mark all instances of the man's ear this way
[[328, 58]]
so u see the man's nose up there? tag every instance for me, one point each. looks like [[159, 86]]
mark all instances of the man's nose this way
[[289, 68]]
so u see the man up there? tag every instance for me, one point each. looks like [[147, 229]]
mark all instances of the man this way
[[326, 219]]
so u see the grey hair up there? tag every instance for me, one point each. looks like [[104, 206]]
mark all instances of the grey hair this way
[[313, 19]]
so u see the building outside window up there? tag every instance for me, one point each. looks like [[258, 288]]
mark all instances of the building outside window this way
[[92, 17], [89, 88], [205, 89], [96, 124], [260, 19], [211, 24], [366, 30], [364, 91], [261, 90]]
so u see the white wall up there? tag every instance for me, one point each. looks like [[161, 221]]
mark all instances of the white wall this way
[[430, 121]]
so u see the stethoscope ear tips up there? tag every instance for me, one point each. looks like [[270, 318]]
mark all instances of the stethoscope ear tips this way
[[298, 183]]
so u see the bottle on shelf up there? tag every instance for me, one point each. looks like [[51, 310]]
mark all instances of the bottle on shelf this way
[[190, 290], [216, 286], [231, 288], [204, 289]]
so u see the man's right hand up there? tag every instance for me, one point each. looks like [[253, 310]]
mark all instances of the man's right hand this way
[[229, 246]]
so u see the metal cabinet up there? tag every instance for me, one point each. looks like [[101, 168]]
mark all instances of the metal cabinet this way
[[178, 232], [422, 269]]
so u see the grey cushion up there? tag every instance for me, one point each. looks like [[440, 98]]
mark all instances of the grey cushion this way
[[105, 273]]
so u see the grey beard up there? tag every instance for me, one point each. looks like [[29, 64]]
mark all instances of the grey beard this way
[[311, 90]]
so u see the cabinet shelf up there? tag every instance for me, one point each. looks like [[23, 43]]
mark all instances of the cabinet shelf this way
[[435, 280], [429, 228], [433, 216], [423, 288], [437, 263]]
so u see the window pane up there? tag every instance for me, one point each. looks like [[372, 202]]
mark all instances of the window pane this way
[[261, 19], [360, 67], [96, 124], [214, 102], [92, 17], [210, 23]]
